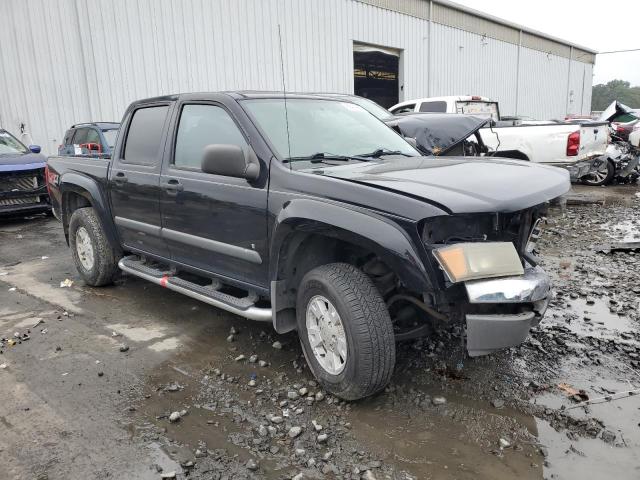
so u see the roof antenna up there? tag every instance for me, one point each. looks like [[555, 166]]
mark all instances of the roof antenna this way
[[284, 92]]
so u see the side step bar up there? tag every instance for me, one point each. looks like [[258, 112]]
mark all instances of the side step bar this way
[[244, 307]]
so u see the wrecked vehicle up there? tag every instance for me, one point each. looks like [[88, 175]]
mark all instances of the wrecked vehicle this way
[[311, 214], [23, 188], [442, 134], [622, 158], [574, 146]]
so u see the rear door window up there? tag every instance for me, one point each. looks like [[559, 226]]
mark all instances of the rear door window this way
[[202, 125], [93, 136], [434, 107], [144, 136], [80, 136]]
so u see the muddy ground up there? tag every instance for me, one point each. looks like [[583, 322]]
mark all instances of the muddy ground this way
[[74, 406]]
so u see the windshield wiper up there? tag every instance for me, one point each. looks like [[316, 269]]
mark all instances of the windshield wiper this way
[[321, 156], [383, 151]]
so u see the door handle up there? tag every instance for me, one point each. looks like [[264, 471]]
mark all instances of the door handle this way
[[120, 178], [172, 185]]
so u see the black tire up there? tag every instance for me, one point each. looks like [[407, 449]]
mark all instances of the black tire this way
[[371, 349], [597, 180], [105, 259]]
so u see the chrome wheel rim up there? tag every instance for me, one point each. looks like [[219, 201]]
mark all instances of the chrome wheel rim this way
[[84, 248], [326, 335]]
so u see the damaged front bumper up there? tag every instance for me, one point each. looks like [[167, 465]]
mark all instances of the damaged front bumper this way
[[525, 296]]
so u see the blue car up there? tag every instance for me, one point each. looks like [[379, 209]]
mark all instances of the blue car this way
[[92, 139], [23, 188]]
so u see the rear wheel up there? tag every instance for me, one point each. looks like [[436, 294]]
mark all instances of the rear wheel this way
[[345, 331], [95, 258], [603, 176]]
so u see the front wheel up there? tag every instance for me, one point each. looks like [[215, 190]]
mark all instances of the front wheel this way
[[95, 258], [345, 331], [602, 176]]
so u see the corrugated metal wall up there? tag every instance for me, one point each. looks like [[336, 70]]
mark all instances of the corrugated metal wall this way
[[70, 61], [466, 64]]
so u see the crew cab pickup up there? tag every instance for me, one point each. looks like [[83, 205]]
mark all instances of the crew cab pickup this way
[[311, 214], [574, 145]]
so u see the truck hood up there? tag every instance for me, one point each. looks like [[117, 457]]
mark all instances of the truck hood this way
[[24, 161], [461, 185]]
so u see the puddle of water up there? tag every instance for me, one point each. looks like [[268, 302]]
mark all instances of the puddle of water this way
[[588, 458], [431, 445], [625, 231], [601, 323]]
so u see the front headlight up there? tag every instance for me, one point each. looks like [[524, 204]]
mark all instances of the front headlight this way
[[469, 261]]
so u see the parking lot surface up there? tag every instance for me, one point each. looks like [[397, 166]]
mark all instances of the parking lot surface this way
[[135, 381]]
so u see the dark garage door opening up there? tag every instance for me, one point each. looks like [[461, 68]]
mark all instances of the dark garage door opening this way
[[375, 74]]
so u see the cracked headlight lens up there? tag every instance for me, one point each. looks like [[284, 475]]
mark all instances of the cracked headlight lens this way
[[470, 261]]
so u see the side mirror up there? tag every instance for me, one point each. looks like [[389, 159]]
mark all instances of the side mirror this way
[[35, 148], [229, 161]]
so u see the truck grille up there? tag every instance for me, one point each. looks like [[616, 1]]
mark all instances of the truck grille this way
[[27, 182]]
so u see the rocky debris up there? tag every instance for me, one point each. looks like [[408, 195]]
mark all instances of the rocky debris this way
[[497, 403], [439, 400], [252, 465], [277, 345], [176, 416], [124, 348], [294, 432], [168, 475]]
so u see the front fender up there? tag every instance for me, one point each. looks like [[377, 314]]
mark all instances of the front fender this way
[[364, 228], [90, 189]]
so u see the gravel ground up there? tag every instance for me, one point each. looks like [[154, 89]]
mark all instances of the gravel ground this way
[[136, 382]]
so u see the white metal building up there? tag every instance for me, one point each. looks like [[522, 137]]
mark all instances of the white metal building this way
[[69, 61]]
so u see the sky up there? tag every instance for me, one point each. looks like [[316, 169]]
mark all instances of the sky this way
[[590, 23]]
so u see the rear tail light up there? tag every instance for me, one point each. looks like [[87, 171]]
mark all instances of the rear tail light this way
[[573, 144], [476, 97]]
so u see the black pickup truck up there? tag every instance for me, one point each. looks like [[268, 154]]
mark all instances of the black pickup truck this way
[[310, 213]]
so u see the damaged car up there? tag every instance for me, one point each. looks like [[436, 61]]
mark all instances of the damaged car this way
[[442, 134], [23, 188], [310, 214], [622, 158]]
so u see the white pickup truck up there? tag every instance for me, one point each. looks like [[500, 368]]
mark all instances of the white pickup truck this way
[[574, 145]]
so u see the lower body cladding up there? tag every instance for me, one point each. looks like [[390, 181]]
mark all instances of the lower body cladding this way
[[525, 297]]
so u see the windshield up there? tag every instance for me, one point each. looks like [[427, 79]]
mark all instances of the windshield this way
[[325, 127], [10, 145], [110, 136], [372, 107]]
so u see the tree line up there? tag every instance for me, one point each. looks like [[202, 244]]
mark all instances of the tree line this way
[[602, 95]]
